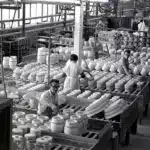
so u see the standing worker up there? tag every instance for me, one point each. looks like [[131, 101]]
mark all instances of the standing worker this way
[[125, 63], [72, 70], [49, 100]]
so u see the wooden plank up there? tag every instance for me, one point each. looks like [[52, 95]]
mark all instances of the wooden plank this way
[[71, 138], [95, 136], [57, 148]]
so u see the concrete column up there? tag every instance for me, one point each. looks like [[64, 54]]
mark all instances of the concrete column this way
[[78, 40]]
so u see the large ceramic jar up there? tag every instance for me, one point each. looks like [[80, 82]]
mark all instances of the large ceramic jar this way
[[42, 144], [23, 128], [6, 62], [80, 122], [36, 131], [84, 118], [13, 62], [72, 127], [68, 111], [17, 142], [17, 131], [57, 124], [44, 128], [30, 140]]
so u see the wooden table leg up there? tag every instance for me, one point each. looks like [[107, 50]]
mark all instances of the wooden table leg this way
[[146, 111], [127, 138], [134, 127]]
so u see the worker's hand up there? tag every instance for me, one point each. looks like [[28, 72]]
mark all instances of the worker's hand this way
[[55, 109], [130, 73]]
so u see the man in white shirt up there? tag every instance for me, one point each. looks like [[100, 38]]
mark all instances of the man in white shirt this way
[[142, 27], [49, 100]]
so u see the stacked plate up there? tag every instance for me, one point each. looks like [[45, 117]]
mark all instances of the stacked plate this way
[[98, 105], [101, 84], [85, 94], [95, 95], [115, 108], [74, 93]]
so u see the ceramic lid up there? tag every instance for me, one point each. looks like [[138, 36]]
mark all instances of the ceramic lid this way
[[69, 111], [35, 130], [49, 138], [44, 118], [23, 120], [19, 113], [43, 128], [71, 123], [57, 119], [42, 141], [17, 131], [65, 116], [30, 136], [37, 121], [23, 127], [75, 117], [17, 138], [29, 125], [30, 116]]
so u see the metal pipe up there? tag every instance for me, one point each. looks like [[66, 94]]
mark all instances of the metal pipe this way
[[34, 30], [50, 2], [65, 18], [97, 7], [49, 47], [18, 17], [30, 18], [35, 26], [53, 25], [23, 19], [46, 28], [10, 7], [9, 34], [1, 18]]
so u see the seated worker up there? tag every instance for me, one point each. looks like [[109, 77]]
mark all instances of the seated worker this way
[[49, 100]]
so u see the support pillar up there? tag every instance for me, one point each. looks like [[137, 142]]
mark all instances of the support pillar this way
[[78, 40], [65, 17], [23, 19], [97, 8]]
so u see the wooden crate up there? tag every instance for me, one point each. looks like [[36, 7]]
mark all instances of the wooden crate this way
[[95, 138], [65, 142], [121, 123]]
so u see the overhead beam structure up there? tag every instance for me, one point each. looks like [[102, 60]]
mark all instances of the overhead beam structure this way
[[79, 9]]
